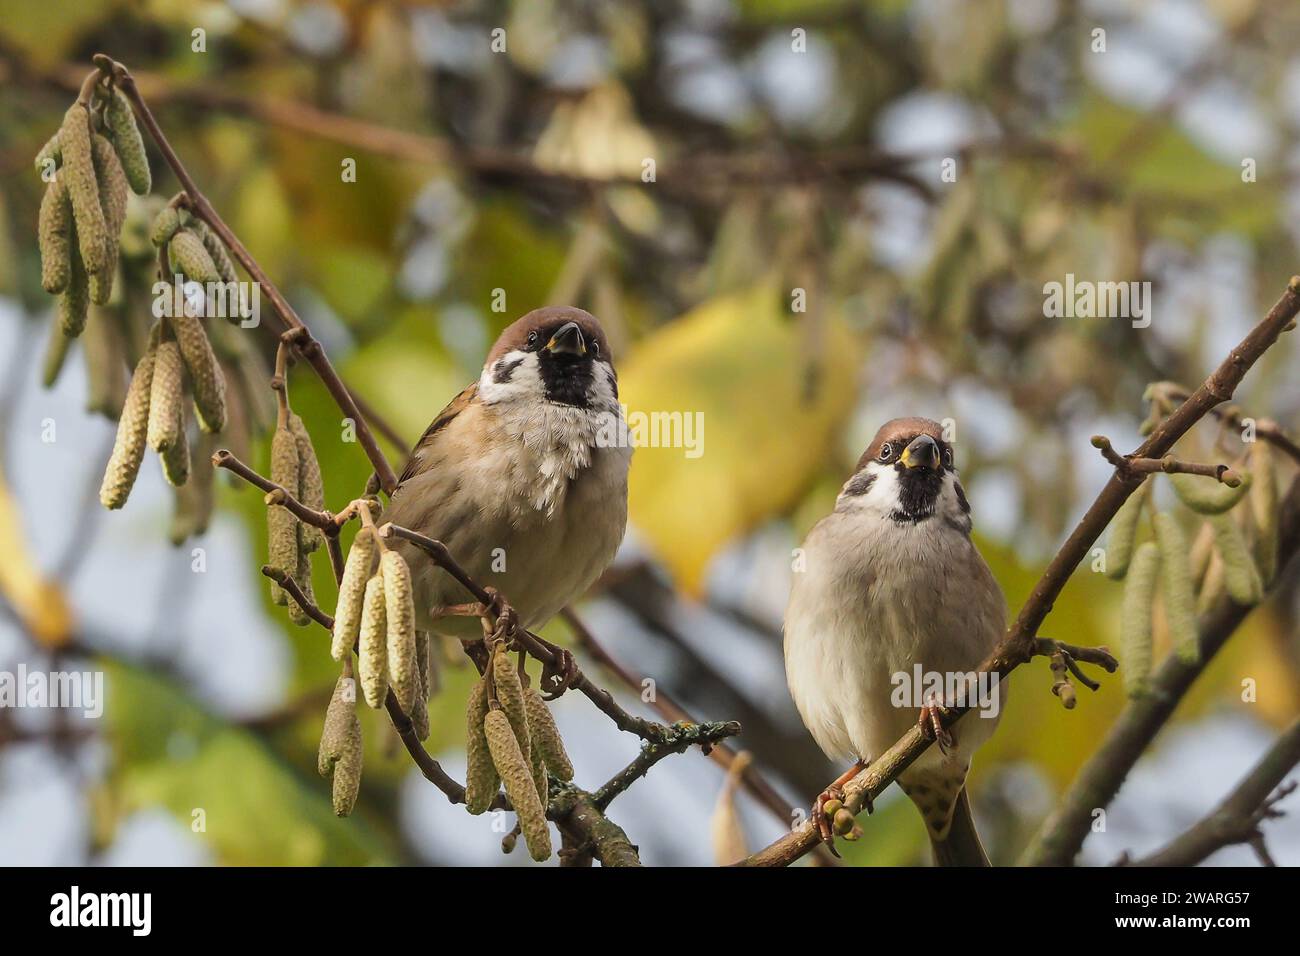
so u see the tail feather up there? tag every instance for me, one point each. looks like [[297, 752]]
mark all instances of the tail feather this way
[[961, 847]]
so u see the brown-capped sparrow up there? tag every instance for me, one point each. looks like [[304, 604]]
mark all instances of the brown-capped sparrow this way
[[517, 476], [892, 581]]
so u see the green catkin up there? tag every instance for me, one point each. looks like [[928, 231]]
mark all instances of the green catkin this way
[[403, 671], [176, 456], [217, 251], [545, 735], [74, 303], [311, 486], [1240, 576], [372, 651], [512, 765], [338, 717], [481, 777], [1135, 618], [281, 525], [347, 774], [189, 257], [166, 396], [112, 198], [195, 499], [165, 225], [352, 590], [120, 120], [297, 613], [1263, 509], [105, 366], [1202, 552], [79, 171], [510, 694], [206, 379], [56, 353], [1207, 496], [537, 767], [132, 430], [1176, 578], [54, 232], [1212, 588], [1123, 531], [48, 159], [341, 748], [420, 712]]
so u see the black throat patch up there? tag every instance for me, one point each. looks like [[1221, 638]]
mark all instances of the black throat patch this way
[[566, 378], [918, 490]]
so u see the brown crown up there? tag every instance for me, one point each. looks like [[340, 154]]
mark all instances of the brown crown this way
[[545, 321], [901, 430]]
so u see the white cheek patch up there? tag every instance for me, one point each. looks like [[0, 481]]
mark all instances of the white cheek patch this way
[[880, 499], [513, 376]]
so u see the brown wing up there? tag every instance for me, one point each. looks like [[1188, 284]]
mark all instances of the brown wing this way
[[414, 464]]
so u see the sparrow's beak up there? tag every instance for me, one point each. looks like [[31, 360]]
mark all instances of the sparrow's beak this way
[[568, 338], [923, 452]]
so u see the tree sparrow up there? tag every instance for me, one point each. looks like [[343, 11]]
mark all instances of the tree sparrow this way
[[513, 477], [893, 580]]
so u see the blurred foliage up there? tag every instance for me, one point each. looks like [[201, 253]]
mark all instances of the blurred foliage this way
[[922, 295]]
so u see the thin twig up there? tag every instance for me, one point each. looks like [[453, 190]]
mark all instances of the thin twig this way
[[1238, 817], [686, 736]]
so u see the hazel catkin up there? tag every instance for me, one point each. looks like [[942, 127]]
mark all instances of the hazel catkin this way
[[510, 694], [1207, 496], [311, 486], [1176, 578], [1135, 618], [373, 648], [1123, 531], [166, 396], [545, 736], [120, 120], [481, 777], [352, 590], [132, 430], [515, 774], [206, 379], [1240, 576], [281, 525], [54, 233], [79, 171], [403, 672]]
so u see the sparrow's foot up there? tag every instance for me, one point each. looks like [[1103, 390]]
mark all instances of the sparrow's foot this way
[[560, 673], [930, 723], [506, 618], [824, 808], [831, 800]]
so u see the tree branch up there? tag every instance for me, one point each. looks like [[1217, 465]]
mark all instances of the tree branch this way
[[1062, 834], [1019, 645], [1237, 818]]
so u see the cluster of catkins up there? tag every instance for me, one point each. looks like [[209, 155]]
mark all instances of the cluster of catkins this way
[[294, 468], [1234, 552], [512, 739], [88, 165], [376, 615], [178, 365]]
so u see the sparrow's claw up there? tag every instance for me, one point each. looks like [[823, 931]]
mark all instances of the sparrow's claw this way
[[930, 723], [823, 819], [560, 673]]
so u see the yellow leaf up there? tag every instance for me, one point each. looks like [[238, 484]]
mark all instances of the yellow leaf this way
[[39, 603], [736, 368]]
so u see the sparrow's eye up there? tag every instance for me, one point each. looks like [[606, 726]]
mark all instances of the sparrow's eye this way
[[532, 337], [947, 458], [886, 451], [595, 348]]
